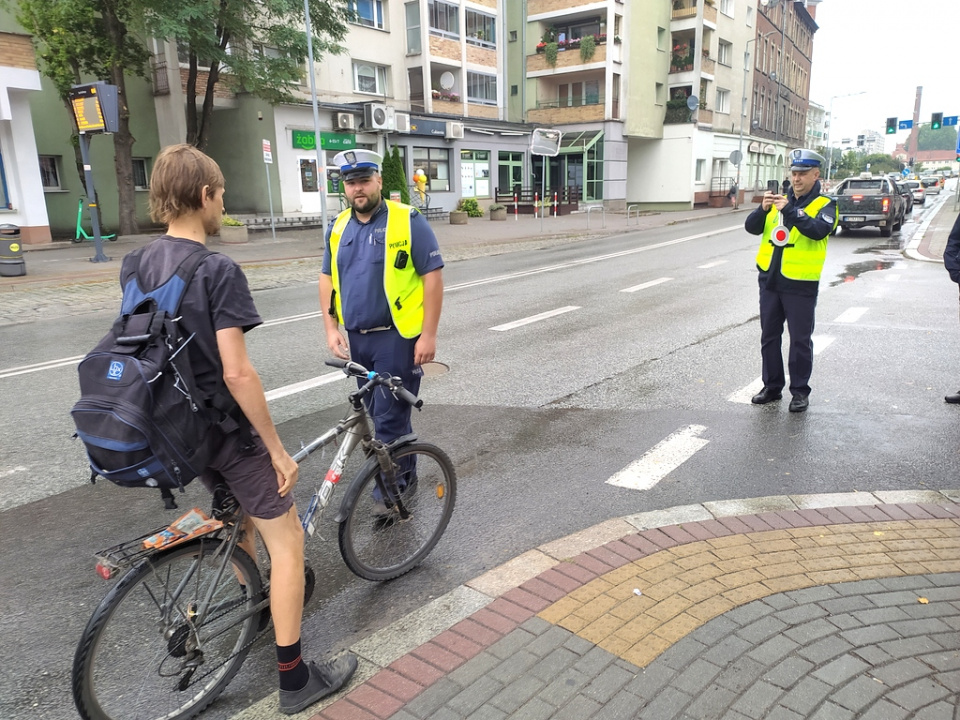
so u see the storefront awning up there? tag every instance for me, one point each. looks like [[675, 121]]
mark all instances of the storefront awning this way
[[578, 142]]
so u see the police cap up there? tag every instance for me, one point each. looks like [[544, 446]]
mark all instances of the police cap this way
[[357, 164], [803, 159]]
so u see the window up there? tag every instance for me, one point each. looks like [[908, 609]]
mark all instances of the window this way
[[475, 173], [514, 90], [701, 166], [369, 78], [435, 163], [481, 88], [662, 39], [749, 16], [661, 94], [141, 178], [368, 12], [444, 19], [578, 93], [725, 53], [481, 29], [413, 28], [726, 7], [513, 36], [50, 172], [723, 101]]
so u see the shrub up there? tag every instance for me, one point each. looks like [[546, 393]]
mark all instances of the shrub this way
[[550, 53], [497, 206], [471, 207], [588, 46], [228, 221]]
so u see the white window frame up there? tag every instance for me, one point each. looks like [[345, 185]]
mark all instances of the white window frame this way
[[376, 7], [723, 101], [701, 166], [449, 10], [726, 7], [725, 53], [52, 167], [379, 77], [474, 80]]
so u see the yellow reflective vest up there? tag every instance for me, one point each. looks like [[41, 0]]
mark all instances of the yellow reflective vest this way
[[802, 257], [403, 286]]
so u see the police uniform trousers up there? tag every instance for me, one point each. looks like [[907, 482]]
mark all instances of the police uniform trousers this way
[[798, 312]]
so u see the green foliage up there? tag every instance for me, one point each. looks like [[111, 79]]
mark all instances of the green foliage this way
[[471, 207], [228, 221], [549, 35], [588, 46], [393, 176], [550, 53], [497, 206], [404, 187], [943, 139]]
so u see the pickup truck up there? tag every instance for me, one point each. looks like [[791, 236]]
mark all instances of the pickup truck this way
[[868, 201]]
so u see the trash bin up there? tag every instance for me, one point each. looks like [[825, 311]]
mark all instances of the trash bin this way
[[11, 252]]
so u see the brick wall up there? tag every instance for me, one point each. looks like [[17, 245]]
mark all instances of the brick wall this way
[[565, 115], [445, 48], [484, 111], [16, 51], [535, 7], [482, 56], [565, 59], [223, 89]]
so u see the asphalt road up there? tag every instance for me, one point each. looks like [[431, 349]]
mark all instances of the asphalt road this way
[[648, 335]]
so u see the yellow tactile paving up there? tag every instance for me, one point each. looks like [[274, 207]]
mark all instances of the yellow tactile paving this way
[[686, 586]]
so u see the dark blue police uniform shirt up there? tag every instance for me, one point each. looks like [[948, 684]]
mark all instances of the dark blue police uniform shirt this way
[[360, 264]]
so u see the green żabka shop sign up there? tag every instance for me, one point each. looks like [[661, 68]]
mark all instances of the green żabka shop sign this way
[[307, 140]]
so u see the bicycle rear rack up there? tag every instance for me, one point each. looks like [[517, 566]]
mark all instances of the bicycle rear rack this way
[[126, 554]]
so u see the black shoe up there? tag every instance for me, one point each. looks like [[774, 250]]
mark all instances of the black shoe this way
[[325, 679], [799, 403], [953, 399], [767, 395]]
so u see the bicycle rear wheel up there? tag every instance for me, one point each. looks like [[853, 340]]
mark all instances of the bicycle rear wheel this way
[[381, 547], [142, 657]]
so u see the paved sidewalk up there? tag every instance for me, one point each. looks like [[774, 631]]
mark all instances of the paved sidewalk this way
[[930, 239], [832, 606]]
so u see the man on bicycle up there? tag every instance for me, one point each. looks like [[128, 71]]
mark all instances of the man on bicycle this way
[[381, 278], [186, 194]]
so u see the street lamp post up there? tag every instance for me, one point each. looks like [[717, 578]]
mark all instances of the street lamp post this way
[[321, 169], [830, 129], [743, 109]]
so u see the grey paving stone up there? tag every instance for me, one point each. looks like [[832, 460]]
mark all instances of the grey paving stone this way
[[711, 703], [563, 687], [517, 693], [894, 597], [403, 715], [927, 626], [940, 711], [696, 677], [945, 579], [950, 680], [578, 709], [549, 641], [727, 651], [780, 601], [512, 642], [825, 649], [873, 655], [537, 625], [488, 712], [858, 693], [789, 671], [806, 695], [760, 630], [475, 668], [433, 698], [535, 709], [881, 615], [668, 704], [861, 587], [474, 696], [620, 706], [577, 644], [594, 662], [608, 683], [716, 630], [813, 594], [943, 661], [847, 604], [844, 621], [810, 631], [801, 613], [917, 694], [782, 713], [910, 647], [948, 641], [901, 671], [933, 609], [649, 682], [870, 635], [680, 655], [838, 671], [755, 701], [883, 710], [773, 650], [553, 664], [905, 582], [939, 593], [829, 711], [740, 675], [445, 713], [746, 614], [506, 670]]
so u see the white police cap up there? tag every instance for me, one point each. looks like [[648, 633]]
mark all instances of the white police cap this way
[[803, 159], [355, 164]]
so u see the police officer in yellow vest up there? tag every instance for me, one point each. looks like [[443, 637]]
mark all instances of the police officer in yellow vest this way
[[381, 279], [795, 228]]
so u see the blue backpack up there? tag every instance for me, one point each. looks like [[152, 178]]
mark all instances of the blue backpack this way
[[140, 416]]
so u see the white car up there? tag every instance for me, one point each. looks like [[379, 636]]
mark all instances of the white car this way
[[931, 184], [919, 193]]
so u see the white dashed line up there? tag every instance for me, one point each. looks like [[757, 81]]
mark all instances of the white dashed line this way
[[711, 265], [304, 385], [535, 318], [644, 286], [661, 460], [851, 315]]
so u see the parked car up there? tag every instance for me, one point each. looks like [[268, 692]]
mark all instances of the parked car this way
[[919, 193], [931, 184]]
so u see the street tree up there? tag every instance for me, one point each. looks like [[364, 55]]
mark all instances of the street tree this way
[[944, 138], [252, 46], [79, 39]]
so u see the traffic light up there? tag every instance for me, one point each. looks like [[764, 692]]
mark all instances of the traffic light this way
[[860, 140], [936, 120], [891, 126]]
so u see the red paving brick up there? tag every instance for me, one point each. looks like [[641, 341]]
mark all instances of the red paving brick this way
[[608, 556], [376, 702], [794, 518], [700, 530], [592, 564], [835, 516], [679, 533], [495, 621], [855, 514], [457, 644], [627, 552], [875, 512], [511, 610], [895, 512], [774, 520], [395, 684], [438, 656], [644, 545], [659, 538], [526, 599], [416, 669], [543, 590], [916, 512], [753, 523], [815, 517], [558, 579], [344, 710], [715, 528], [480, 634], [735, 525]]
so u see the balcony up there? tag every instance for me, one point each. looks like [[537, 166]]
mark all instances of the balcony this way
[[708, 65], [684, 9], [552, 114], [536, 7], [568, 56]]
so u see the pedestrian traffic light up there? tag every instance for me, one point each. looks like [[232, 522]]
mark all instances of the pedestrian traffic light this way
[[891, 126], [860, 140], [936, 120]]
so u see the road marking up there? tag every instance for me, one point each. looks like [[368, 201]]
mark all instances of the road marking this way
[[587, 261], [743, 395], [892, 277], [646, 285], [49, 365], [535, 318], [851, 315], [291, 318], [12, 471], [661, 460], [711, 265], [304, 385]]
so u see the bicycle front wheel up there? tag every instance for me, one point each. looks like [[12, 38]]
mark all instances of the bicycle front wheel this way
[[378, 545], [144, 655]]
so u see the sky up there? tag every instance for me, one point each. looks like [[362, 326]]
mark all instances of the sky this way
[[885, 48]]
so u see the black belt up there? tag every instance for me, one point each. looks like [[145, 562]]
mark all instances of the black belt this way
[[375, 329]]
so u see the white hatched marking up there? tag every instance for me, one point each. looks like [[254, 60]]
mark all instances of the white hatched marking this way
[[644, 286], [743, 395], [305, 385], [12, 471], [892, 277], [658, 462], [535, 318], [711, 265], [851, 315]]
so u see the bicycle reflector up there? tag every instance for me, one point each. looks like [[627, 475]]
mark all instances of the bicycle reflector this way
[[780, 236], [105, 571]]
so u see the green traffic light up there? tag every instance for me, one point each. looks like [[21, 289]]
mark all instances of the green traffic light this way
[[936, 120]]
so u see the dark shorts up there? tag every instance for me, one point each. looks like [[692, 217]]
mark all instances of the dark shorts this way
[[250, 476]]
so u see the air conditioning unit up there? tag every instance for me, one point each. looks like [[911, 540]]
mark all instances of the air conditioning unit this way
[[454, 131], [375, 116], [402, 122], [346, 121], [391, 118]]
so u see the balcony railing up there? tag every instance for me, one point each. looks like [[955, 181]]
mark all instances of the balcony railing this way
[[684, 9]]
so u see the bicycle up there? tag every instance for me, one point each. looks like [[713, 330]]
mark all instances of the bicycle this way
[[185, 616]]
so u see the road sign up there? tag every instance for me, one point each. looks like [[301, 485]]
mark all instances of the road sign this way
[[267, 153], [735, 157], [545, 141], [950, 120], [906, 124]]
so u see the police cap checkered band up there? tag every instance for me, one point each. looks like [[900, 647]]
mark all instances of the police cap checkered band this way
[[357, 163], [803, 159]]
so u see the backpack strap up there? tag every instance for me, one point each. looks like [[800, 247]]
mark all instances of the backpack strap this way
[[170, 293]]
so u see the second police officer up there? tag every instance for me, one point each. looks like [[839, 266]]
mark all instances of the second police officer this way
[[795, 227], [381, 279]]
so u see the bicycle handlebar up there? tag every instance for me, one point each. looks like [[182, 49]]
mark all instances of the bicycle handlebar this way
[[393, 384]]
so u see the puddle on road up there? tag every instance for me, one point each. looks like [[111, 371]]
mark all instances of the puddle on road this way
[[853, 271]]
